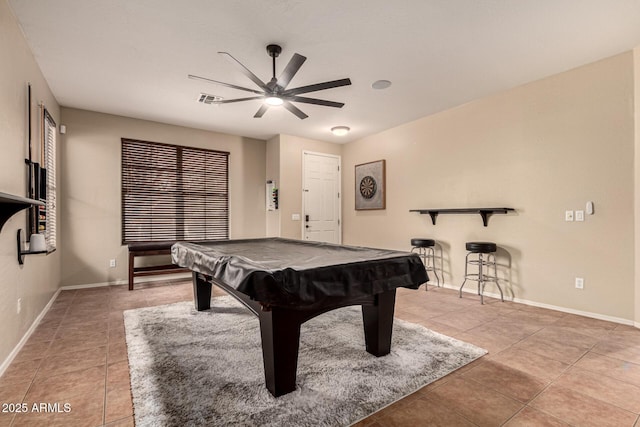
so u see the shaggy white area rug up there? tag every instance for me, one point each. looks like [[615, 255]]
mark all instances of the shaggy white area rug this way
[[191, 368]]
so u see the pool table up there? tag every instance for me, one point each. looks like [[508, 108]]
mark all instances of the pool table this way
[[287, 282]]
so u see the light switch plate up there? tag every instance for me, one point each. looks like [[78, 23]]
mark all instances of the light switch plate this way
[[579, 215], [568, 215]]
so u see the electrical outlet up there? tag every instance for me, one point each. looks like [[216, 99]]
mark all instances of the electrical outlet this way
[[112, 263], [579, 283], [579, 215], [19, 307], [568, 215]]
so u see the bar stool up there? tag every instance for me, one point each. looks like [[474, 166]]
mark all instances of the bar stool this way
[[485, 260], [424, 249]]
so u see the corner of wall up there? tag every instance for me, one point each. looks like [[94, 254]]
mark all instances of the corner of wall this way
[[636, 180], [273, 173]]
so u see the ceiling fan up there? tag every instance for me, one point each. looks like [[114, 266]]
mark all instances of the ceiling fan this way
[[275, 92]]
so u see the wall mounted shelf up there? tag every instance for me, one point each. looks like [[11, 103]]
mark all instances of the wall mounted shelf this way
[[22, 253], [485, 213], [10, 205]]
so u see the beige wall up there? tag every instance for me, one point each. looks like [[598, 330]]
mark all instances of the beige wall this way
[[291, 148], [273, 174], [636, 104], [36, 281], [542, 148], [90, 202]]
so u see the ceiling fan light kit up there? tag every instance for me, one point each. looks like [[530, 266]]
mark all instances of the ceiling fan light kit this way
[[274, 101], [275, 92]]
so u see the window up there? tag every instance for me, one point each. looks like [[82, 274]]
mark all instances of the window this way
[[47, 216], [171, 192]]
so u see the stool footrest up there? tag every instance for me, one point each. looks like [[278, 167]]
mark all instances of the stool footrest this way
[[486, 259], [425, 250]]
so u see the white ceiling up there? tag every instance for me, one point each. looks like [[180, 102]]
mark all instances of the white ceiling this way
[[132, 57]]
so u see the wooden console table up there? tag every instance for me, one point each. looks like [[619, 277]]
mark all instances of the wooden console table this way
[[142, 249], [485, 213]]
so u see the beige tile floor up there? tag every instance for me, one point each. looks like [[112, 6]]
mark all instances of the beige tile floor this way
[[544, 368]]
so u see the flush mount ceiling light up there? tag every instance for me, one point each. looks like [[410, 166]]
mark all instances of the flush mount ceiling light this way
[[381, 84], [340, 130], [274, 101]]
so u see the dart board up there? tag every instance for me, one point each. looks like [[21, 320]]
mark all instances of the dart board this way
[[368, 187]]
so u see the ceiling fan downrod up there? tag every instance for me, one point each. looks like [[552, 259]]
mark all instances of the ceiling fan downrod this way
[[274, 51]]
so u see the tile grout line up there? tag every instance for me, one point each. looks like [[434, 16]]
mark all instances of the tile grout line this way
[[46, 355], [524, 404]]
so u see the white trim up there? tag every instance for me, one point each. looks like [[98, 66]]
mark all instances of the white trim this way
[[126, 282], [92, 285], [554, 307], [339, 158], [5, 364]]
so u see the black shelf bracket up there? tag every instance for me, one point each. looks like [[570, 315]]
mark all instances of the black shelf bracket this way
[[433, 215], [485, 213], [10, 205], [22, 253]]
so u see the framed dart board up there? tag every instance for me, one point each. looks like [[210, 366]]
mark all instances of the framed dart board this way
[[370, 185]]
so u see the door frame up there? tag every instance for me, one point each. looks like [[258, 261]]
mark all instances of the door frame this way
[[304, 192]]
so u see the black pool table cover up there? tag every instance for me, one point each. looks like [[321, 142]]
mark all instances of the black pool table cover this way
[[283, 272]]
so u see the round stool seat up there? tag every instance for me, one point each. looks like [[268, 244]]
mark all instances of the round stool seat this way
[[422, 243], [481, 247]]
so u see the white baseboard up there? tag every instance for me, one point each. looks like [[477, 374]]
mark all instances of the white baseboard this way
[[5, 364], [126, 282], [445, 285], [91, 285], [552, 307]]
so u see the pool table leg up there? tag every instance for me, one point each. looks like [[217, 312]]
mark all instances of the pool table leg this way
[[201, 292], [280, 330], [378, 323]]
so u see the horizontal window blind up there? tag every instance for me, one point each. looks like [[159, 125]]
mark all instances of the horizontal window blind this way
[[50, 132], [171, 192]]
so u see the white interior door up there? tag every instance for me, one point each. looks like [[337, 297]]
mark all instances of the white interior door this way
[[321, 197]]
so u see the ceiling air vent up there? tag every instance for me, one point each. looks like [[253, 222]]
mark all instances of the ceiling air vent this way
[[205, 98]]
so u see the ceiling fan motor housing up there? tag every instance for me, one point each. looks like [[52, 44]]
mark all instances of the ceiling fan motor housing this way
[[274, 50]]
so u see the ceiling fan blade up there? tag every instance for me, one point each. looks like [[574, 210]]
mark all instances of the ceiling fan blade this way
[[244, 70], [315, 101], [295, 110], [261, 111], [191, 76], [290, 70], [229, 101], [317, 86]]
